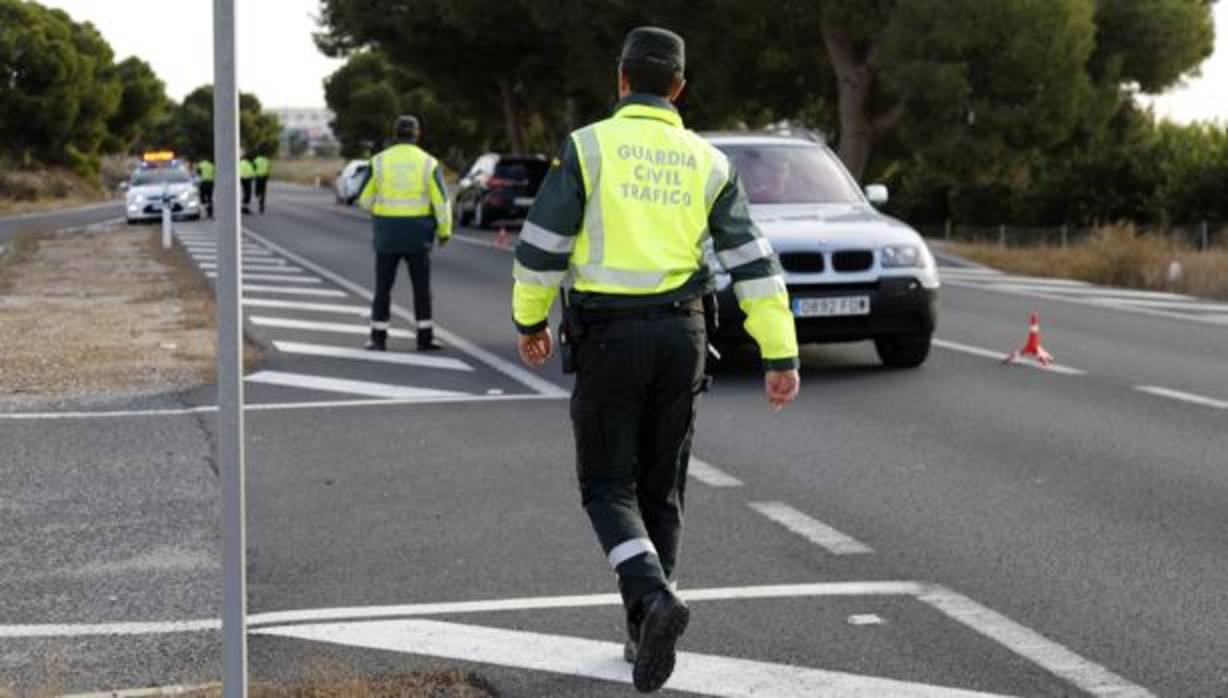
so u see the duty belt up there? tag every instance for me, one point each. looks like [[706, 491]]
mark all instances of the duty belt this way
[[691, 306]]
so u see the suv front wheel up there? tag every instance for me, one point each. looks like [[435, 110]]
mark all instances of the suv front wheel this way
[[903, 351]]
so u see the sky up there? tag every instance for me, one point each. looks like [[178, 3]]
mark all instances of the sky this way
[[280, 64]]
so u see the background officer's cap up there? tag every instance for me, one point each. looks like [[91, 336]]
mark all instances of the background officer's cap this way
[[655, 45], [406, 126]]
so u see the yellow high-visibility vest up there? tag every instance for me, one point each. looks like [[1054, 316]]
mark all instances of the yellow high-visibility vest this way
[[649, 185], [262, 166], [401, 182], [206, 170]]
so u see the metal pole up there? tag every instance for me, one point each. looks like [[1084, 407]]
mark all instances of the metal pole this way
[[1065, 235], [1206, 241], [166, 220], [1002, 235], [230, 353]]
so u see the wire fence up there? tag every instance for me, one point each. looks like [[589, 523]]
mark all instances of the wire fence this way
[[1201, 235]]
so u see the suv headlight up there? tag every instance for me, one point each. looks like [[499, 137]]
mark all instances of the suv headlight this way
[[902, 256], [185, 195]]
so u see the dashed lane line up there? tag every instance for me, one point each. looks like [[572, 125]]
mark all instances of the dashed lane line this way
[[1182, 396], [999, 356], [305, 349], [258, 268], [507, 368], [359, 310], [295, 291], [811, 529], [347, 386], [709, 475]]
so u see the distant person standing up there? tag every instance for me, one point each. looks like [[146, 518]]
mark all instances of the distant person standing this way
[[410, 210], [206, 171], [262, 166], [247, 173]]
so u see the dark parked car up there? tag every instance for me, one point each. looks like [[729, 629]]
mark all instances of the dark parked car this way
[[498, 187]]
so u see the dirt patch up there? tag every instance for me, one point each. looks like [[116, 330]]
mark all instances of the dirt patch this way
[[443, 684], [101, 314], [1114, 256], [307, 170]]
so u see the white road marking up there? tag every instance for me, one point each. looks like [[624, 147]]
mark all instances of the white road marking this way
[[283, 278], [711, 476], [1025, 281], [259, 268], [811, 529], [387, 357], [1106, 292], [342, 385], [971, 271], [703, 674], [292, 291], [1000, 355], [1183, 396], [175, 690], [866, 619], [271, 407], [1031, 645], [311, 325], [496, 362], [1176, 305], [1023, 641], [359, 310], [1075, 299]]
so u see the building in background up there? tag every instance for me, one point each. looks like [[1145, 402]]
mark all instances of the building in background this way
[[306, 131]]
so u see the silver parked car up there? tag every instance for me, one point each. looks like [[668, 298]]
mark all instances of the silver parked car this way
[[852, 272], [350, 181], [151, 187]]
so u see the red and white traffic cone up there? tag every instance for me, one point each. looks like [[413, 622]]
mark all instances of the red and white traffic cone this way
[[502, 239], [1032, 347]]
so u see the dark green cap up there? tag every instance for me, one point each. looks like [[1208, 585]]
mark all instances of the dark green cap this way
[[655, 45], [405, 126]]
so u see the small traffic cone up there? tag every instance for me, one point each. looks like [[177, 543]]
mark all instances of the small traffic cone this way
[[502, 239], [1032, 347]]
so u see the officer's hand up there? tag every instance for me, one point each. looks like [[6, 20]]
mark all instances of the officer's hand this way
[[781, 387], [443, 242], [536, 348]]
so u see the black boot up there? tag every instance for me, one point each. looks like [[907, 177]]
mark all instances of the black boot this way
[[378, 341], [633, 639], [426, 340], [665, 618]]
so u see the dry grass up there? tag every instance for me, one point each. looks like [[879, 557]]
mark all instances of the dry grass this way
[[305, 170], [102, 314], [1114, 256], [37, 190]]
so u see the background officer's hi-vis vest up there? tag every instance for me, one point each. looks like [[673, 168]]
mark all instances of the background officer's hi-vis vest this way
[[206, 170], [402, 178], [650, 185]]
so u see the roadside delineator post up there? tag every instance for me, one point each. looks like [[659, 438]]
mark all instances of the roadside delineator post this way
[[167, 220], [1032, 347]]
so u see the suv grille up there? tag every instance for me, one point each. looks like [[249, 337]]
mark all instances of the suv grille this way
[[852, 260], [802, 262]]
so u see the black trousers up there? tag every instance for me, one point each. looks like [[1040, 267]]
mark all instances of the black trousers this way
[[206, 196], [419, 265], [246, 184], [262, 189], [633, 412]]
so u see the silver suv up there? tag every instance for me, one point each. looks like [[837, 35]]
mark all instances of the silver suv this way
[[853, 273]]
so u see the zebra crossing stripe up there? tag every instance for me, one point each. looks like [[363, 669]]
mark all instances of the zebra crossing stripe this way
[[385, 357], [350, 387], [358, 310], [309, 325], [293, 291]]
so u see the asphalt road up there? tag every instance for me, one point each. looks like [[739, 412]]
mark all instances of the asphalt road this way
[[1054, 532], [43, 221]]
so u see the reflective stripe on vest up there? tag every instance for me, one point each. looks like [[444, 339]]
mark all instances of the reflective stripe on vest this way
[[649, 186], [402, 177]]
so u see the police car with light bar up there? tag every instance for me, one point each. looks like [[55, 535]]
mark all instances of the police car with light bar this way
[[853, 273], [160, 181]]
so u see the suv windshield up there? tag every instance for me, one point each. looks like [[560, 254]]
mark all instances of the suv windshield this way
[[791, 174], [160, 175]]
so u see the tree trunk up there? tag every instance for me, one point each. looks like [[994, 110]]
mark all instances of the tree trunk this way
[[854, 78], [511, 120]]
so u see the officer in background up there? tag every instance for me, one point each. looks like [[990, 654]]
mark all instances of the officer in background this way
[[206, 171], [625, 211], [410, 209], [262, 166], [247, 173]]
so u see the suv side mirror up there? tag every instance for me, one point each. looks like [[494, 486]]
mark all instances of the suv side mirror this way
[[877, 194]]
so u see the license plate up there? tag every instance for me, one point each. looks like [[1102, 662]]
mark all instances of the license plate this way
[[831, 307], [524, 201]]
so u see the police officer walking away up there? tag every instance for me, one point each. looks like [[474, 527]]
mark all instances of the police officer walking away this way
[[625, 210], [247, 173], [205, 170], [410, 209], [262, 166]]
